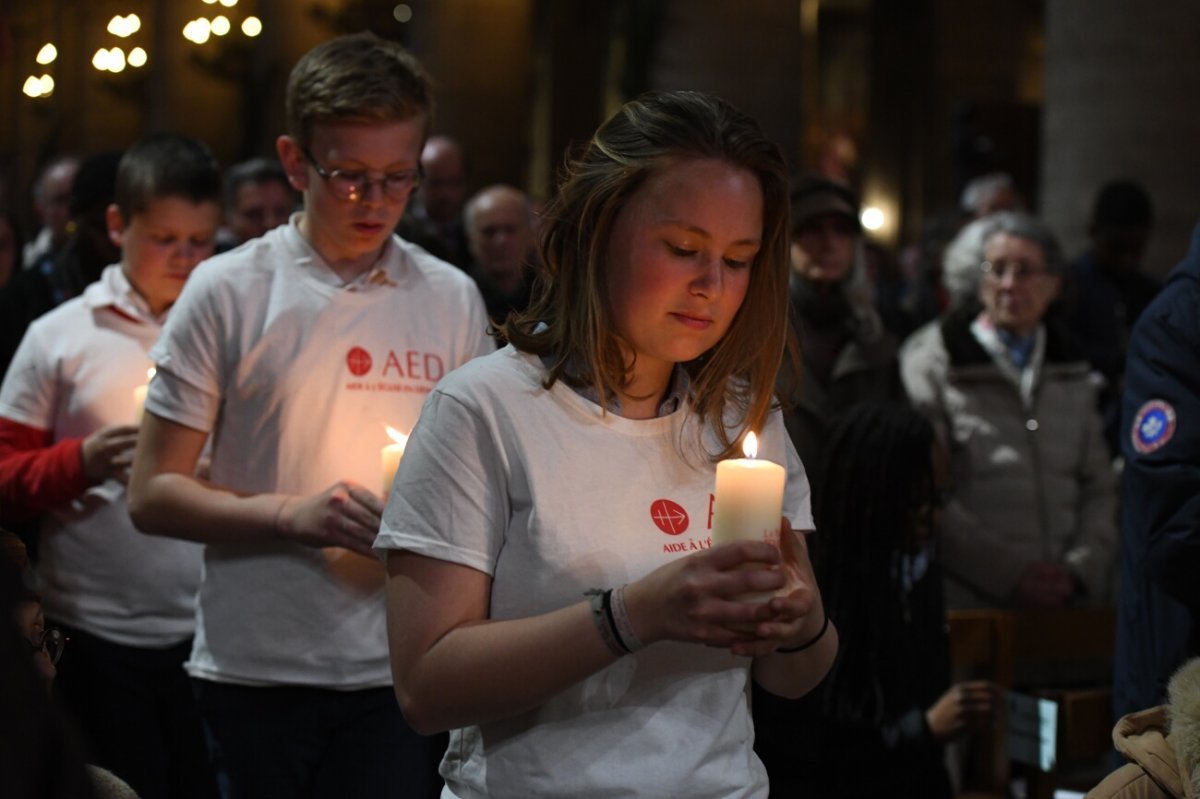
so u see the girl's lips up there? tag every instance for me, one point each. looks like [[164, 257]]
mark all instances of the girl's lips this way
[[694, 322]]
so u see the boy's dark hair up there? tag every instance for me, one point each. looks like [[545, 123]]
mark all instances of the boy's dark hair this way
[[166, 165], [356, 77], [256, 170]]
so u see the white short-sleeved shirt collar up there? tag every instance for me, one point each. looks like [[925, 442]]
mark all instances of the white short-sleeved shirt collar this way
[[388, 271], [113, 289]]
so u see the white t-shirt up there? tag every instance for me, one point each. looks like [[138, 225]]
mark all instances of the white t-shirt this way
[[551, 498], [76, 371], [297, 377]]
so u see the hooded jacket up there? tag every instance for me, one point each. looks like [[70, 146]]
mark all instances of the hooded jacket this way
[[1162, 745]]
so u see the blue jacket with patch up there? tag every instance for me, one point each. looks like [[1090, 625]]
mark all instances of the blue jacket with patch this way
[[1159, 597]]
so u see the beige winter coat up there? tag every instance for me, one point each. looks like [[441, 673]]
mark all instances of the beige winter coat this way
[[1031, 474], [1162, 744]]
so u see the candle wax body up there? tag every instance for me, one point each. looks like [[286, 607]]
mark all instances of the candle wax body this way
[[749, 501], [749, 504], [139, 403], [389, 458]]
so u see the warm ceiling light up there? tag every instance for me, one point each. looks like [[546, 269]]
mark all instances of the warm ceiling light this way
[[402, 13], [198, 30], [228, 3], [116, 60], [32, 87], [220, 25], [137, 57], [251, 26], [47, 84], [47, 54], [100, 60], [872, 218], [124, 26]]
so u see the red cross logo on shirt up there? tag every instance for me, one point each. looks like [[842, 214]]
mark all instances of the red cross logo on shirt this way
[[359, 361], [670, 517]]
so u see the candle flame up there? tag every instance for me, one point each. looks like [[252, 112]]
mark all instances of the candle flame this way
[[396, 435], [750, 445]]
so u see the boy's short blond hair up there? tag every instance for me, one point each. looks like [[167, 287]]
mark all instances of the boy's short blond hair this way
[[356, 77]]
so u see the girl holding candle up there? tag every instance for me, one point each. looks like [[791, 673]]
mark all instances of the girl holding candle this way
[[554, 596]]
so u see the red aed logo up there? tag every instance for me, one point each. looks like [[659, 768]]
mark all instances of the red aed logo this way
[[670, 517], [358, 361]]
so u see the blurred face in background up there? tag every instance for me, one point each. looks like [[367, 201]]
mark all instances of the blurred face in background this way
[[259, 206], [1016, 288], [443, 190], [823, 248], [53, 200], [500, 234]]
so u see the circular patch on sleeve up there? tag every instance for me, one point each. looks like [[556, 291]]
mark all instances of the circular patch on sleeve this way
[[1153, 426]]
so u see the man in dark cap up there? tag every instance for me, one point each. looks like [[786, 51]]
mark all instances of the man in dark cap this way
[[846, 356]]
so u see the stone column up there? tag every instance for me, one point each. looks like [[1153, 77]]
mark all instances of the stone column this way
[[1122, 101]]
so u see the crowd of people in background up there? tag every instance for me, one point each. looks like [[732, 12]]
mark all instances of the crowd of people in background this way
[[199, 370]]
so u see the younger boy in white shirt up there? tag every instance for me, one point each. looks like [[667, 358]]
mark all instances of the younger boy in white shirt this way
[[68, 408]]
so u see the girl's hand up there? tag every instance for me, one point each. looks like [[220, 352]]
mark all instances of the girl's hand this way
[[797, 615], [696, 598]]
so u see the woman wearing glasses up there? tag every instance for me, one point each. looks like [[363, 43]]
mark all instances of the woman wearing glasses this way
[[1033, 519]]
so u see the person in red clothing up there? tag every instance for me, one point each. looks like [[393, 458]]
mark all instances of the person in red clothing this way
[[69, 404]]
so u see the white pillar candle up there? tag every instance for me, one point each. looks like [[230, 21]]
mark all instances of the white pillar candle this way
[[749, 498], [139, 397], [389, 458], [748, 503]]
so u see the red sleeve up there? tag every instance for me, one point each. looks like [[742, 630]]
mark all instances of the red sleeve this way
[[36, 475]]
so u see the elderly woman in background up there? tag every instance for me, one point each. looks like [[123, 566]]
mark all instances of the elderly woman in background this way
[[1032, 521]]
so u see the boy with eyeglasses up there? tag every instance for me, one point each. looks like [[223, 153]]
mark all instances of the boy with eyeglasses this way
[[296, 351]]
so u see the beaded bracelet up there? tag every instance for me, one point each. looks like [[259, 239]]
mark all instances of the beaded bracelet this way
[[810, 642]]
